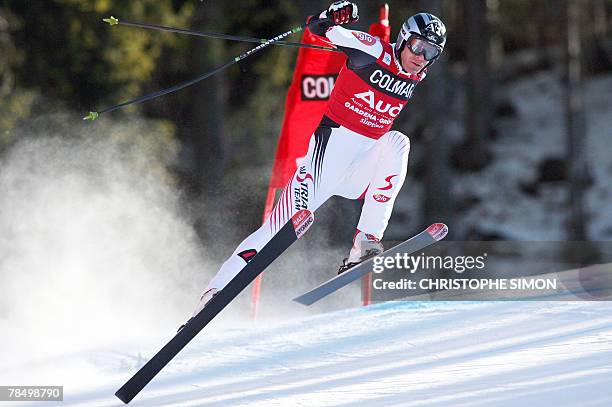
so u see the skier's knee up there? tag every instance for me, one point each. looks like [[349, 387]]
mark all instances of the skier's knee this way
[[396, 141]]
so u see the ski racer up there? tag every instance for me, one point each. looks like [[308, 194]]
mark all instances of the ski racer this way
[[353, 153]]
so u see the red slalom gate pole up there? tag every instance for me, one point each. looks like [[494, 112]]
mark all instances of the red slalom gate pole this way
[[366, 289], [257, 283]]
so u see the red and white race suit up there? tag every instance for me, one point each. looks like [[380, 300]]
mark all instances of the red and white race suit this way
[[353, 153], [371, 90]]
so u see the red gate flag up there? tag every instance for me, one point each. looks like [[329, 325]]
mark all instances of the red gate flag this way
[[316, 71], [315, 74], [382, 29]]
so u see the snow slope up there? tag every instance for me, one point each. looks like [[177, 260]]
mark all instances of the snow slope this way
[[392, 354]]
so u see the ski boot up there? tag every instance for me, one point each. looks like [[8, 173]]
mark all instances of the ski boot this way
[[364, 247], [207, 295]]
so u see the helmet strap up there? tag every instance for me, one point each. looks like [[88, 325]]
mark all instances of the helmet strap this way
[[427, 66]]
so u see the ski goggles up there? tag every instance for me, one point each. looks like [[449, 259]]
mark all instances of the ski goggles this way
[[420, 46]]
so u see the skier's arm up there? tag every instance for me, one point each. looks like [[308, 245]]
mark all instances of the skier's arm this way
[[361, 48]]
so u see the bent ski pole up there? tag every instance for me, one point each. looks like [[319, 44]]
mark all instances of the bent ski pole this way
[[115, 21], [94, 115]]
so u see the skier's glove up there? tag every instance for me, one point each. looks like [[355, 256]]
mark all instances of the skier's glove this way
[[343, 12]]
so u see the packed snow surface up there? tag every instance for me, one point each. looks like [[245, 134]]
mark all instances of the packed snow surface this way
[[392, 354]]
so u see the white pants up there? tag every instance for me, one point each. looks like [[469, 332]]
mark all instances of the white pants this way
[[339, 162]]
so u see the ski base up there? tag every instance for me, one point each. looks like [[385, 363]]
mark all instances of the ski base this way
[[285, 237], [432, 234]]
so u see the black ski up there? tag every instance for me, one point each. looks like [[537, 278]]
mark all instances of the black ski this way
[[432, 234], [288, 234]]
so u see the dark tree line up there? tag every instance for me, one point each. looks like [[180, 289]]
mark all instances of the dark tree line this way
[[57, 54]]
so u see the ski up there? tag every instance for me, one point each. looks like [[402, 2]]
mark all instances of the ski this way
[[432, 234], [288, 234]]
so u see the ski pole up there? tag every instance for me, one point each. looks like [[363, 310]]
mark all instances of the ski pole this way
[[95, 114], [112, 21]]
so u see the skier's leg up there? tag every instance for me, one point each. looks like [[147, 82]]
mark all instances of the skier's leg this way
[[385, 183], [378, 176], [329, 156], [255, 241], [250, 246]]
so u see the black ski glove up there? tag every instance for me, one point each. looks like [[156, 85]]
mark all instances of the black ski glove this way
[[343, 12]]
